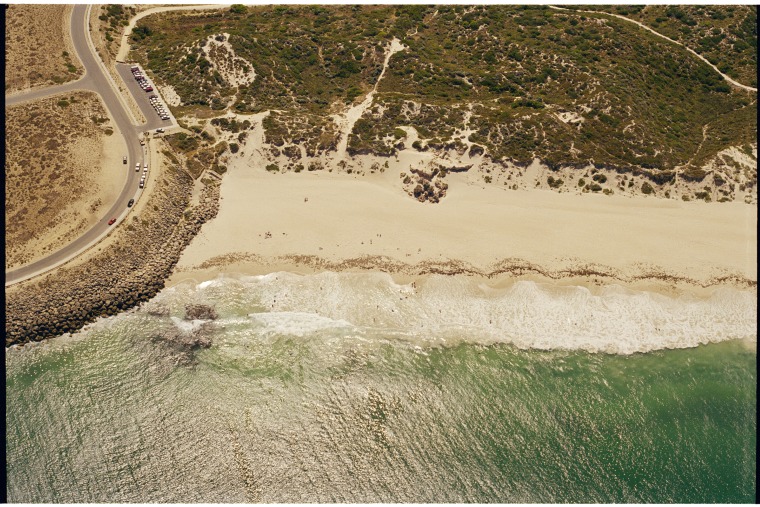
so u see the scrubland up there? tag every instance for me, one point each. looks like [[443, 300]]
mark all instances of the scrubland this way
[[61, 155], [38, 50]]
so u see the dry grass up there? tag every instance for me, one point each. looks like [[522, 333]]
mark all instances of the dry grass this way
[[38, 48], [54, 173]]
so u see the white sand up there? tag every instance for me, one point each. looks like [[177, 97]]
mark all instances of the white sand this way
[[349, 216]]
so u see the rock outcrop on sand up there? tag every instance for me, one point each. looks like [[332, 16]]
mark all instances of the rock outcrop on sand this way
[[123, 275]]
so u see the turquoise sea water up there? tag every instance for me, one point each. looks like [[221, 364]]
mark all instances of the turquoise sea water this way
[[351, 388]]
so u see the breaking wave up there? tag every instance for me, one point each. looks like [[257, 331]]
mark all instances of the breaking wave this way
[[446, 311]]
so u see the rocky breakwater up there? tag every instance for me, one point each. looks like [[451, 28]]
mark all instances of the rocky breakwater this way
[[129, 271]]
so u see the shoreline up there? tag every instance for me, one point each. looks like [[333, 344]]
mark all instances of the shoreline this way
[[324, 221], [246, 265]]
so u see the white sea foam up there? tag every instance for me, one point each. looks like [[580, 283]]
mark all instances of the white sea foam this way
[[187, 326], [450, 310], [297, 323]]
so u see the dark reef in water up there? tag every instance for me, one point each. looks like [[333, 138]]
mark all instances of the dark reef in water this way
[[201, 312], [182, 345]]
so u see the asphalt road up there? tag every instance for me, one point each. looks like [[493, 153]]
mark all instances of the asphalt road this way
[[96, 80]]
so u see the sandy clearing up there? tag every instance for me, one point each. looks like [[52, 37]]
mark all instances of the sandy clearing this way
[[171, 96], [230, 67]]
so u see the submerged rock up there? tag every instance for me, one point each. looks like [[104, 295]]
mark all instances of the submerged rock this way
[[181, 346], [200, 312], [157, 310]]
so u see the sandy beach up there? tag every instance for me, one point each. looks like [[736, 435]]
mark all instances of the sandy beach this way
[[319, 221]]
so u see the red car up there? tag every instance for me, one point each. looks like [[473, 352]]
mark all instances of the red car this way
[[112, 221]]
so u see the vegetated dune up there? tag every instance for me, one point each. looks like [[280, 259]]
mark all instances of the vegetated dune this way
[[61, 156], [509, 83], [724, 34], [38, 49]]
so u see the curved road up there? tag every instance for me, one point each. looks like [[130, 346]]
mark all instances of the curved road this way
[[95, 79]]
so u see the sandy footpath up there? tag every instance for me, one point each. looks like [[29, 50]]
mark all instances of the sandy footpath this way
[[270, 222]]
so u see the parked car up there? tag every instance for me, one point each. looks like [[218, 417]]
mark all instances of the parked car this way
[[112, 221], [159, 130], [145, 165], [130, 203], [137, 166], [142, 184], [124, 159]]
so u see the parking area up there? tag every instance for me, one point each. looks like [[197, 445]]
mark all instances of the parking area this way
[[146, 96]]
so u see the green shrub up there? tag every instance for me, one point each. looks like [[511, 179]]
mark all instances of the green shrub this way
[[646, 188], [273, 168]]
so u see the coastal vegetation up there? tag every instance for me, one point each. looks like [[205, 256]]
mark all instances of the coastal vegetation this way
[[726, 35], [524, 82]]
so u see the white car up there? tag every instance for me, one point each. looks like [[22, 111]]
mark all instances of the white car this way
[[145, 166], [159, 130], [137, 166]]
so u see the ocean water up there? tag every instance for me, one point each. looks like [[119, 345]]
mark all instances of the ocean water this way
[[341, 387]]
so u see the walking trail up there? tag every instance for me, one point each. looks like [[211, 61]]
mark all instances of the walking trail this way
[[727, 78], [347, 120]]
